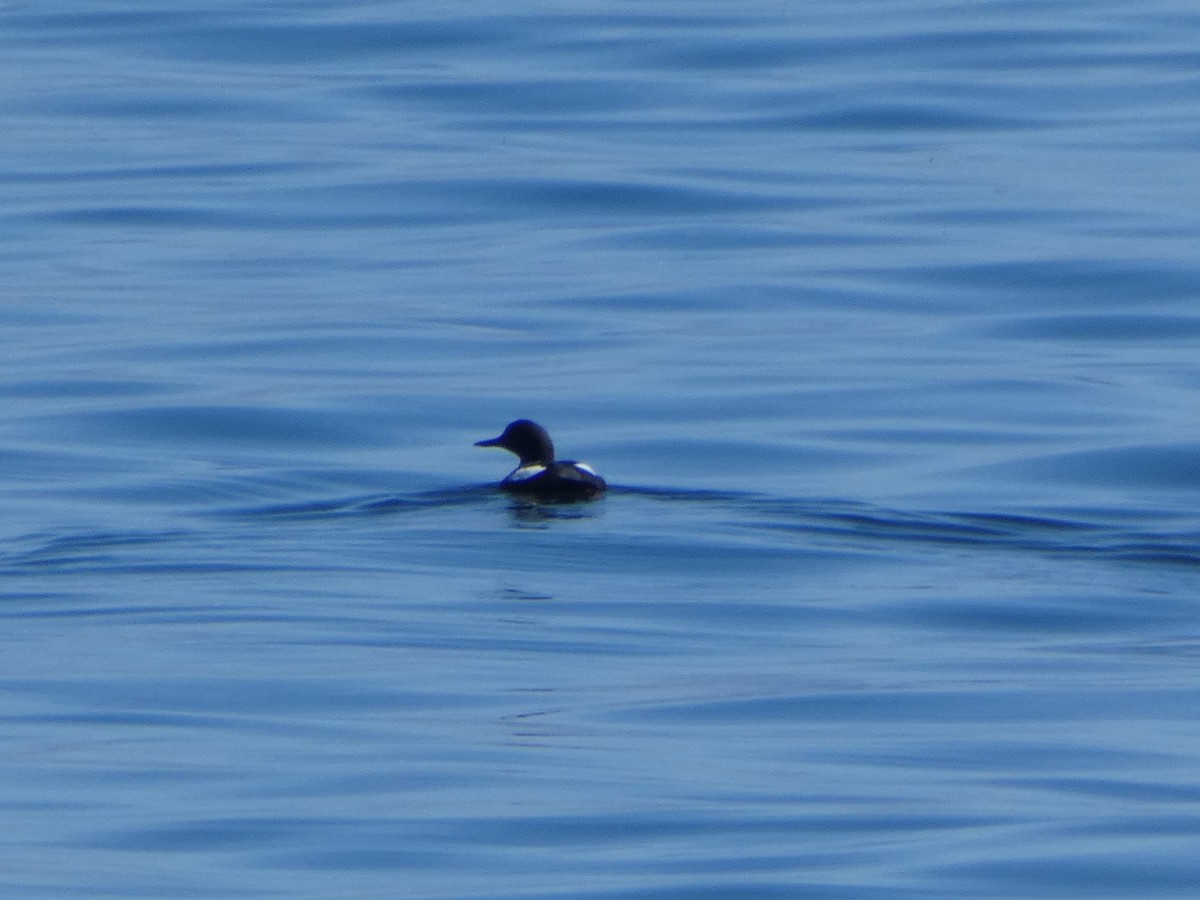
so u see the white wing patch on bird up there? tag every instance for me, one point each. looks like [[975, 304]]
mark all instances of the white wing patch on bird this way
[[524, 473]]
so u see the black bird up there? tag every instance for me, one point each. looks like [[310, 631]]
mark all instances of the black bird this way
[[539, 475]]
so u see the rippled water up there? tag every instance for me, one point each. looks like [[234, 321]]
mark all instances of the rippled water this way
[[880, 317]]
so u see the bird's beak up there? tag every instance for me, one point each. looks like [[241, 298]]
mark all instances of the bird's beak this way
[[490, 442]]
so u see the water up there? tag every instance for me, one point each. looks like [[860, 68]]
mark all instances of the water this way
[[880, 319]]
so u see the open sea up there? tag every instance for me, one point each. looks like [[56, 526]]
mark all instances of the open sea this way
[[882, 318]]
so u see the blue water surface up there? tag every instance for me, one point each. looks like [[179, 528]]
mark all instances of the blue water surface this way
[[881, 319]]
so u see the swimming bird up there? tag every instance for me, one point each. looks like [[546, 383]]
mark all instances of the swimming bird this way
[[538, 474]]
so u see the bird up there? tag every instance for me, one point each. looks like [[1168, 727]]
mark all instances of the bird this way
[[538, 475]]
